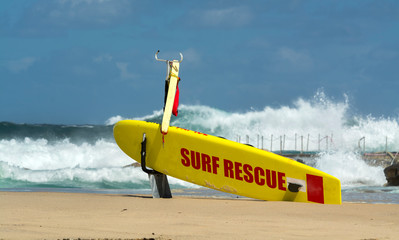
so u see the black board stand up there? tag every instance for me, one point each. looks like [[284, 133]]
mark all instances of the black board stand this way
[[158, 181], [159, 185]]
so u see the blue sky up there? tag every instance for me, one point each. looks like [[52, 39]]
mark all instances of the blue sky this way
[[84, 61]]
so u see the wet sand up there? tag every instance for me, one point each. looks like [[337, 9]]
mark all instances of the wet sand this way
[[50, 215]]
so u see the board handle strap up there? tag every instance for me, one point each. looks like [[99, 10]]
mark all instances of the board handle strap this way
[[143, 156]]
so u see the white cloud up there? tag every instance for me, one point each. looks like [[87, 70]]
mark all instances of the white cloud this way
[[103, 58], [124, 72], [191, 56], [54, 17], [20, 65], [81, 70], [89, 12], [227, 17], [298, 59]]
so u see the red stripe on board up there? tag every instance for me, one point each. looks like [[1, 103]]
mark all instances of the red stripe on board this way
[[315, 188]]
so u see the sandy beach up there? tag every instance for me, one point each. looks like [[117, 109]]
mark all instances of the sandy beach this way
[[50, 215]]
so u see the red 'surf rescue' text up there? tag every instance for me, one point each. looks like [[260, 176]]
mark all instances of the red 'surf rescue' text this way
[[235, 170]]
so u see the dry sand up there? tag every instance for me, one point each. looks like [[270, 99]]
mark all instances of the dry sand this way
[[52, 215]]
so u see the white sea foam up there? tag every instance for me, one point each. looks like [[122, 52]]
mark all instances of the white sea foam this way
[[38, 161], [117, 118], [319, 124], [350, 169], [298, 127], [113, 120], [75, 177], [327, 124], [42, 155]]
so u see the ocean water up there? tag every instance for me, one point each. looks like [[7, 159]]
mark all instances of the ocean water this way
[[85, 158]]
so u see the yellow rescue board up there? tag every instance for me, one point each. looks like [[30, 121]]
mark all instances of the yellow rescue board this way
[[225, 165]]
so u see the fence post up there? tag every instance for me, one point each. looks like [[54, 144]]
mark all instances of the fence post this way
[[319, 142], [262, 142], [271, 144], [327, 143], [283, 142], [364, 143]]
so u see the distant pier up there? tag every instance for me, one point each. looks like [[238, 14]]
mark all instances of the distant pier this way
[[310, 147]]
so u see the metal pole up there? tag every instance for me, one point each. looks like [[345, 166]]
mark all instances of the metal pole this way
[[301, 144], [295, 141], [307, 144], [326, 143], [284, 142], [319, 142], [364, 140], [364, 144], [271, 143], [262, 142]]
